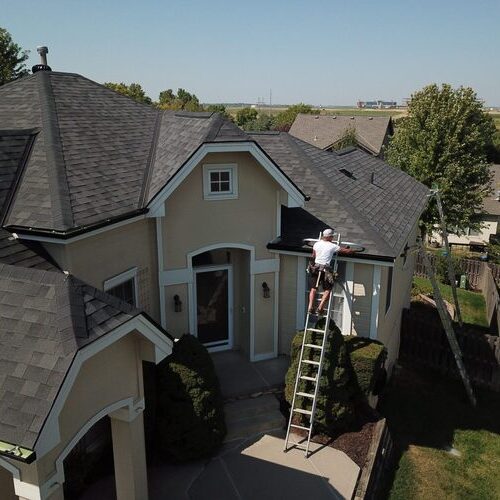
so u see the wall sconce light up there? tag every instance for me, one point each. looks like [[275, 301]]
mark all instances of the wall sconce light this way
[[266, 291], [177, 304]]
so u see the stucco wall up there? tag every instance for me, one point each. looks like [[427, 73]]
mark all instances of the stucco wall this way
[[192, 222], [107, 377], [264, 309], [98, 258], [287, 302]]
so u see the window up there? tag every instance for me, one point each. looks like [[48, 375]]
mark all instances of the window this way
[[220, 182], [124, 286], [388, 295]]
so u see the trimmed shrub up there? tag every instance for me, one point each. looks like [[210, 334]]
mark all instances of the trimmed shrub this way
[[335, 405], [190, 415], [367, 360]]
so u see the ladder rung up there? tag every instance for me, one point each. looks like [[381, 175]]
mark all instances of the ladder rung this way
[[305, 395], [300, 446], [309, 362], [304, 412], [314, 346], [317, 330], [311, 379], [295, 426]]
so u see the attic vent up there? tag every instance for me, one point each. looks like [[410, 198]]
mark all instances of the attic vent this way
[[347, 173], [498, 195], [352, 117], [43, 66], [315, 138], [316, 117], [334, 117], [370, 118]]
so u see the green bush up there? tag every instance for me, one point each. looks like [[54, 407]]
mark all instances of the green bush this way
[[442, 267], [367, 360], [190, 415], [335, 405]]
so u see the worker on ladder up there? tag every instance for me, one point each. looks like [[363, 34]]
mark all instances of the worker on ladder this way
[[320, 271]]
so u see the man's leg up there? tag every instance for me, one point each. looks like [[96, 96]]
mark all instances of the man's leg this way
[[312, 294], [324, 299]]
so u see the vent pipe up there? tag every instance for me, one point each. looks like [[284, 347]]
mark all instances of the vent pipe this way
[[43, 66]]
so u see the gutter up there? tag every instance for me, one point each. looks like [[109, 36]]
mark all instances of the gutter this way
[[17, 452]]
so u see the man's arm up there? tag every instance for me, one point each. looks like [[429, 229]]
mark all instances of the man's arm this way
[[346, 251]]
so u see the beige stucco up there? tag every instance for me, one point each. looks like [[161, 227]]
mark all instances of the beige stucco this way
[[191, 222], [264, 312], [489, 227], [96, 258], [6, 485]]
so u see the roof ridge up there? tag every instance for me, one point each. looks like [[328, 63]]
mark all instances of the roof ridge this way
[[58, 182]]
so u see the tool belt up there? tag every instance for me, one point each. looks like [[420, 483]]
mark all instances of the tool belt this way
[[314, 269]]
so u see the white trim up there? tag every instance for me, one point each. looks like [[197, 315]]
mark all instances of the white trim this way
[[374, 308], [232, 194], [160, 257], [252, 315], [28, 491], [16, 473], [89, 234], [262, 266], [176, 277], [278, 213], [372, 262], [348, 295], [276, 310], [264, 356], [50, 435], [301, 292], [295, 197], [230, 305], [121, 278], [391, 302]]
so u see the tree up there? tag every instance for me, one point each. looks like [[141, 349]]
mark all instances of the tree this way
[[347, 139], [219, 108], [444, 139], [245, 115], [262, 122], [134, 90], [183, 100], [12, 58], [283, 121]]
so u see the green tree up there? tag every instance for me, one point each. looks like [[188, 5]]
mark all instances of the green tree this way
[[134, 90], [12, 58], [183, 100], [245, 115], [283, 121], [444, 139], [219, 108], [347, 139], [261, 123]]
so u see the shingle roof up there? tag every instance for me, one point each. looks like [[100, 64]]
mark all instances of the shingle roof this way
[[378, 215], [46, 317], [324, 131], [491, 205]]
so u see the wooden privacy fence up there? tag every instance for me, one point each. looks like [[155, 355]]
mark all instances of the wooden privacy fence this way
[[424, 342], [474, 269]]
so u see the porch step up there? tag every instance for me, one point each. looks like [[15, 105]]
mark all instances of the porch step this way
[[249, 417]]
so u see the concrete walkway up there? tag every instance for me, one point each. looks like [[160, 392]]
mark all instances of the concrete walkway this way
[[258, 468]]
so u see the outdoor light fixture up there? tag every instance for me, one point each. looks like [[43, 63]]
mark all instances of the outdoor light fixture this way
[[177, 304], [266, 291]]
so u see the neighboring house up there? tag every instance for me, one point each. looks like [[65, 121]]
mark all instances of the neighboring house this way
[[325, 131], [479, 238], [188, 222]]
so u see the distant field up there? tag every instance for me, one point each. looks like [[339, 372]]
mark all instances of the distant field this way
[[496, 119], [273, 110]]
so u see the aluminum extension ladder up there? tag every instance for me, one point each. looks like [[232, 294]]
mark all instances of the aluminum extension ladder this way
[[304, 362]]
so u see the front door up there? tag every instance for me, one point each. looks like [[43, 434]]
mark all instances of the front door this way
[[214, 308]]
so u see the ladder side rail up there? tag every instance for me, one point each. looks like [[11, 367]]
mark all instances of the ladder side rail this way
[[448, 327], [451, 270]]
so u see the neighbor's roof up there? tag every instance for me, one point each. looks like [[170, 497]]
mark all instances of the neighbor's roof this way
[[323, 131], [491, 205], [46, 317], [361, 196]]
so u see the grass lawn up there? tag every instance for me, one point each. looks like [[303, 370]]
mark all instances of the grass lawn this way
[[428, 415], [472, 304]]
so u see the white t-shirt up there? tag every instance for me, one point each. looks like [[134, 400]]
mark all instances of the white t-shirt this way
[[324, 250]]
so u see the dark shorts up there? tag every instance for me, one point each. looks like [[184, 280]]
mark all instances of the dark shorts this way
[[326, 278]]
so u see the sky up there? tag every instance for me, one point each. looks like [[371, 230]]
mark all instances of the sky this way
[[321, 52]]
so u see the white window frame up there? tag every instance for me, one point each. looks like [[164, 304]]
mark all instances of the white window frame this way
[[121, 278], [232, 168]]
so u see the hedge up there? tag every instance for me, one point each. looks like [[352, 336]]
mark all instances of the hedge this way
[[336, 396], [190, 415]]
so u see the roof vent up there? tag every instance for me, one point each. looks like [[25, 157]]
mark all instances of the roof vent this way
[[347, 173], [352, 117], [498, 195], [43, 66], [315, 138], [370, 118], [333, 117], [316, 117]]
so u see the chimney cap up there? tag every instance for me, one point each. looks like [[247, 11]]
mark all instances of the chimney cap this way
[[42, 49]]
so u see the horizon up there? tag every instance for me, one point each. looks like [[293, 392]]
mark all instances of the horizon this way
[[315, 53]]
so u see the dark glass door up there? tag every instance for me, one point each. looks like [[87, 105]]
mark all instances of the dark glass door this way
[[212, 307]]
